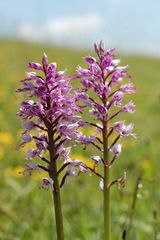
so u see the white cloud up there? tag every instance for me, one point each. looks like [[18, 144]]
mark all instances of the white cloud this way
[[75, 30], [29, 32]]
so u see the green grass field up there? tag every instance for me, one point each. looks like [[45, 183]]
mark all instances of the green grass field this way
[[26, 211]]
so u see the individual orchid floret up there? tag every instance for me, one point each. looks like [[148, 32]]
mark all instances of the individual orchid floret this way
[[35, 66], [117, 98], [96, 160], [116, 149], [74, 168], [31, 153], [46, 183], [64, 152], [98, 111], [128, 88], [90, 59], [83, 72], [117, 75], [41, 145], [31, 75], [32, 165], [72, 171], [70, 131], [123, 130], [86, 140], [27, 86], [87, 84], [129, 107], [28, 125], [127, 131], [26, 137], [117, 126]]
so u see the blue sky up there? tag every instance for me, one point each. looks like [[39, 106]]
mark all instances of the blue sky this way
[[130, 25]]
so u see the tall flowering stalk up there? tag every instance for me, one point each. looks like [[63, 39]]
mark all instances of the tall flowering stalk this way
[[104, 92], [51, 122], [50, 118]]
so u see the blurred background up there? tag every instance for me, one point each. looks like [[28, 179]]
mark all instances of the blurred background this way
[[66, 31]]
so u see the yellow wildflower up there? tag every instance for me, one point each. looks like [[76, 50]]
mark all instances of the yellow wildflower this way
[[6, 138]]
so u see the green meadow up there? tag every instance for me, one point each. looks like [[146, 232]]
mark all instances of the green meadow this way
[[26, 211]]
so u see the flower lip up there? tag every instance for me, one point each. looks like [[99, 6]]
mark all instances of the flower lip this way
[[72, 171], [32, 165], [28, 125], [116, 149], [31, 153], [96, 159], [129, 107], [46, 183], [26, 137]]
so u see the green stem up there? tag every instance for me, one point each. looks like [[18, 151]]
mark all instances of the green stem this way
[[106, 191], [134, 201], [56, 188], [58, 210]]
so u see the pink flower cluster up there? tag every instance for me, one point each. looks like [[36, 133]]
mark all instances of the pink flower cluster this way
[[53, 113], [56, 115], [105, 83]]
